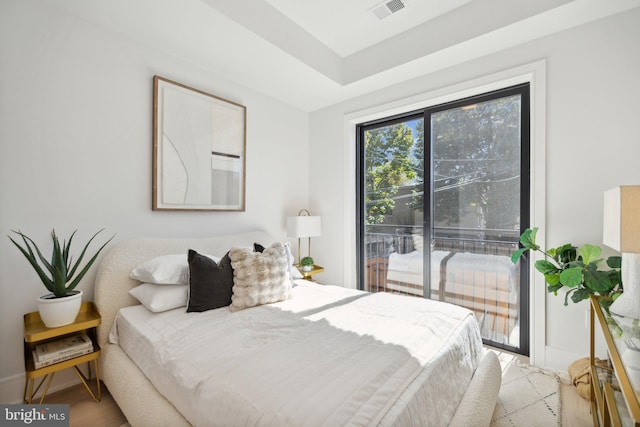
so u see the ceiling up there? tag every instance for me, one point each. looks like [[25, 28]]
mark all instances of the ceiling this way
[[347, 27], [315, 53]]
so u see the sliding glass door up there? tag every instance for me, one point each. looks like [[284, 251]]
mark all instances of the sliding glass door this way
[[443, 197]]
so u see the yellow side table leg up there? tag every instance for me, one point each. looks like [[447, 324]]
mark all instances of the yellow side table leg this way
[[95, 364], [46, 389], [28, 388], [30, 393], [84, 380]]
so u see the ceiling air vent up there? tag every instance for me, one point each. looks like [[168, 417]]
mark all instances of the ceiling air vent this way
[[387, 8]]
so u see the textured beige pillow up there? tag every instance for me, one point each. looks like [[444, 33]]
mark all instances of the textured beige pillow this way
[[259, 278]]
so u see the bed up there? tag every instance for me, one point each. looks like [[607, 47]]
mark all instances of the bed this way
[[327, 355]]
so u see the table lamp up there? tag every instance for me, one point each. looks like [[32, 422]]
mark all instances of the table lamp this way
[[304, 226], [621, 231]]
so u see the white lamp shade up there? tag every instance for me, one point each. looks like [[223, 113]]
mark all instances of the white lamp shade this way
[[621, 225], [621, 231], [304, 226]]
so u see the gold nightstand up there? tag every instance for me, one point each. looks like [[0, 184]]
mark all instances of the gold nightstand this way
[[307, 274], [36, 332]]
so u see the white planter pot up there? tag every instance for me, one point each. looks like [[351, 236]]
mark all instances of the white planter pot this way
[[56, 312], [307, 267]]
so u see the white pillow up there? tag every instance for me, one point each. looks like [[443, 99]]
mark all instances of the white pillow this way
[[158, 298], [165, 270], [259, 278]]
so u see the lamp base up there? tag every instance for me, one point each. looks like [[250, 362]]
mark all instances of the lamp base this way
[[628, 304]]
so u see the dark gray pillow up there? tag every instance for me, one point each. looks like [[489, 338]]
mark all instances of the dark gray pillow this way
[[210, 282]]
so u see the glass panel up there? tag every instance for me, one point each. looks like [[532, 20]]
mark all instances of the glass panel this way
[[393, 167], [625, 332], [476, 212]]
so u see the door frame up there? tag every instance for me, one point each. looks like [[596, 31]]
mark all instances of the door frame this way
[[533, 73], [522, 90]]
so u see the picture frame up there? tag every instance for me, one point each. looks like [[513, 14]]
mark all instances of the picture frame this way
[[199, 150]]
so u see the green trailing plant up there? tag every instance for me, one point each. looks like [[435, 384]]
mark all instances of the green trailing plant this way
[[58, 275], [306, 261], [574, 268]]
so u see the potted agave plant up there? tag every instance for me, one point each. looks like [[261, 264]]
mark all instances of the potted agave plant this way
[[60, 276]]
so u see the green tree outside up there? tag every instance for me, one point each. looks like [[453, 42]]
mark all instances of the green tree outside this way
[[388, 165], [476, 166]]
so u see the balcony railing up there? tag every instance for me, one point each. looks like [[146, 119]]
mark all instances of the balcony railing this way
[[469, 267]]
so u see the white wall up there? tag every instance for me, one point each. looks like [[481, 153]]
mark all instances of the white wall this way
[[76, 150], [592, 144]]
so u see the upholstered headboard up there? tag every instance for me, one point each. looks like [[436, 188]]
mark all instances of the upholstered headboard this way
[[112, 279]]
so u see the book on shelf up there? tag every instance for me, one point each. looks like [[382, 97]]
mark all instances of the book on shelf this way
[[37, 364], [62, 347]]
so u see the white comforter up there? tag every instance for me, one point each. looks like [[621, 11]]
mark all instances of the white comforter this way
[[329, 356]]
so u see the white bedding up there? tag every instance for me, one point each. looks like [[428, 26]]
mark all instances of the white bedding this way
[[328, 356]]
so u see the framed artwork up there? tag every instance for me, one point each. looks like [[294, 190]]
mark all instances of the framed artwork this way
[[199, 143]]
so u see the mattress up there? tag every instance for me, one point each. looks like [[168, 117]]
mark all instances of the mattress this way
[[328, 356]]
